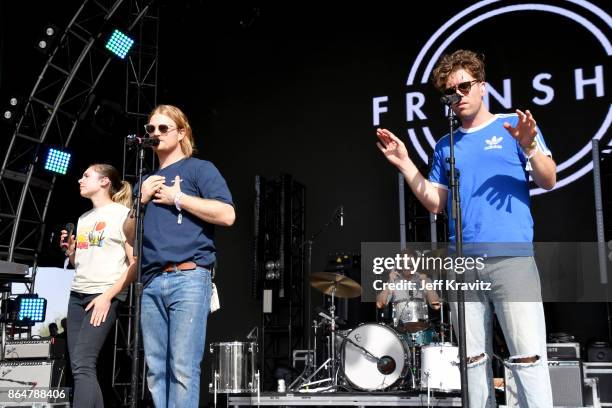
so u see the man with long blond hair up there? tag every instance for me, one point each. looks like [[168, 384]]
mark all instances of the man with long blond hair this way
[[184, 200]]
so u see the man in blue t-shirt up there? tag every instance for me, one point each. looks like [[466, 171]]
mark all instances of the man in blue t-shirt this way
[[184, 200], [495, 155]]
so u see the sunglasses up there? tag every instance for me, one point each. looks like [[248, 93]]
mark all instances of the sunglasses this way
[[463, 87], [163, 129]]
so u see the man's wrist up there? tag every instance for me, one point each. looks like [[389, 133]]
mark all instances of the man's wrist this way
[[177, 199], [530, 151]]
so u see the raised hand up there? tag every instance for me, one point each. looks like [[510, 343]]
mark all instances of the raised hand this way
[[392, 147], [525, 130]]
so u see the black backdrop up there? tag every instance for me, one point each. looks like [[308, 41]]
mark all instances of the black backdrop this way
[[290, 91]]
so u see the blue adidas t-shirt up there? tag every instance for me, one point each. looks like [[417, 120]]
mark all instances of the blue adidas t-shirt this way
[[493, 182], [165, 240]]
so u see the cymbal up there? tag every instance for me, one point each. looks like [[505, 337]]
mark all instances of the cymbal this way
[[326, 281]]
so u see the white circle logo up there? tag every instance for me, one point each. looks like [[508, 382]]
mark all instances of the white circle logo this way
[[587, 80]]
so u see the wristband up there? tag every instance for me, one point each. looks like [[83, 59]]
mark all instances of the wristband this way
[[532, 146], [532, 153], [177, 200]]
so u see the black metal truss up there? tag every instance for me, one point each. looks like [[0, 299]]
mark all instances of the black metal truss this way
[[51, 117], [279, 269]]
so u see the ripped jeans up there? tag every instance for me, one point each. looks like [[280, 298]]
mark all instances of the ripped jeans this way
[[515, 296]]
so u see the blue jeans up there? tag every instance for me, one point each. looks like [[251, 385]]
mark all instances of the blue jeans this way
[[515, 288], [175, 307]]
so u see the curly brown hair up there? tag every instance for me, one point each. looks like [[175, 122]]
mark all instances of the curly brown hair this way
[[470, 61]]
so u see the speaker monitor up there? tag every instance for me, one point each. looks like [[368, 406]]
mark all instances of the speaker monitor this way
[[31, 373], [599, 354]]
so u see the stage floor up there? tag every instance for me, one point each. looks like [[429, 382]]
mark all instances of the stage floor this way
[[381, 399]]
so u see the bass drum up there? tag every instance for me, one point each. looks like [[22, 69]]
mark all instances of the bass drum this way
[[386, 363]]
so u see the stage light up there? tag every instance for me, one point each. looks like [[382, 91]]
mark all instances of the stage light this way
[[30, 309], [57, 161], [11, 109], [47, 38], [272, 270], [119, 44]]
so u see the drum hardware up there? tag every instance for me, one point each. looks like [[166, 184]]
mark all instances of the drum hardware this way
[[335, 285], [379, 357], [385, 364]]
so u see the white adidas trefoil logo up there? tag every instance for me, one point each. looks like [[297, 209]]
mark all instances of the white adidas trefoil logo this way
[[493, 143]]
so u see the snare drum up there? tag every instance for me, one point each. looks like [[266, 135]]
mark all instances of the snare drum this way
[[440, 367], [234, 367], [389, 364]]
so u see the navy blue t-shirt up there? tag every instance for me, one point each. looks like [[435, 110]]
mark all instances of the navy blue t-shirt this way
[[165, 240]]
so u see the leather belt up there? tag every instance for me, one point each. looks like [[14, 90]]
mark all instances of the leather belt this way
[[183, 266]]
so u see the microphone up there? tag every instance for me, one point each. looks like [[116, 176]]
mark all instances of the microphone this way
[[450, 99], [64, 244], [341, 216], [144, 141], [321, 312]]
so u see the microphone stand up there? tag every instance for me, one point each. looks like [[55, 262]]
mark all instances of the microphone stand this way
[[456, 214], [138, 283]]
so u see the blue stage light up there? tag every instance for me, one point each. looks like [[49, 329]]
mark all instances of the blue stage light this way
[[57, 161], [119, 44], [30, 309]]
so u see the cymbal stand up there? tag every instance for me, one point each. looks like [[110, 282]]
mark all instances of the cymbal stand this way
[[332, 312], [331, 363], [310, 364]]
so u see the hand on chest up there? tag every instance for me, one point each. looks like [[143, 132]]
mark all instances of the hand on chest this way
[[185, 183]]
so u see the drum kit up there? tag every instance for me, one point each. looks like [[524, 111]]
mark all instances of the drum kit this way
[[404, 354]]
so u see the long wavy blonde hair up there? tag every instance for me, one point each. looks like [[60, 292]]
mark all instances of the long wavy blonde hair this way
[[187, 143]]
